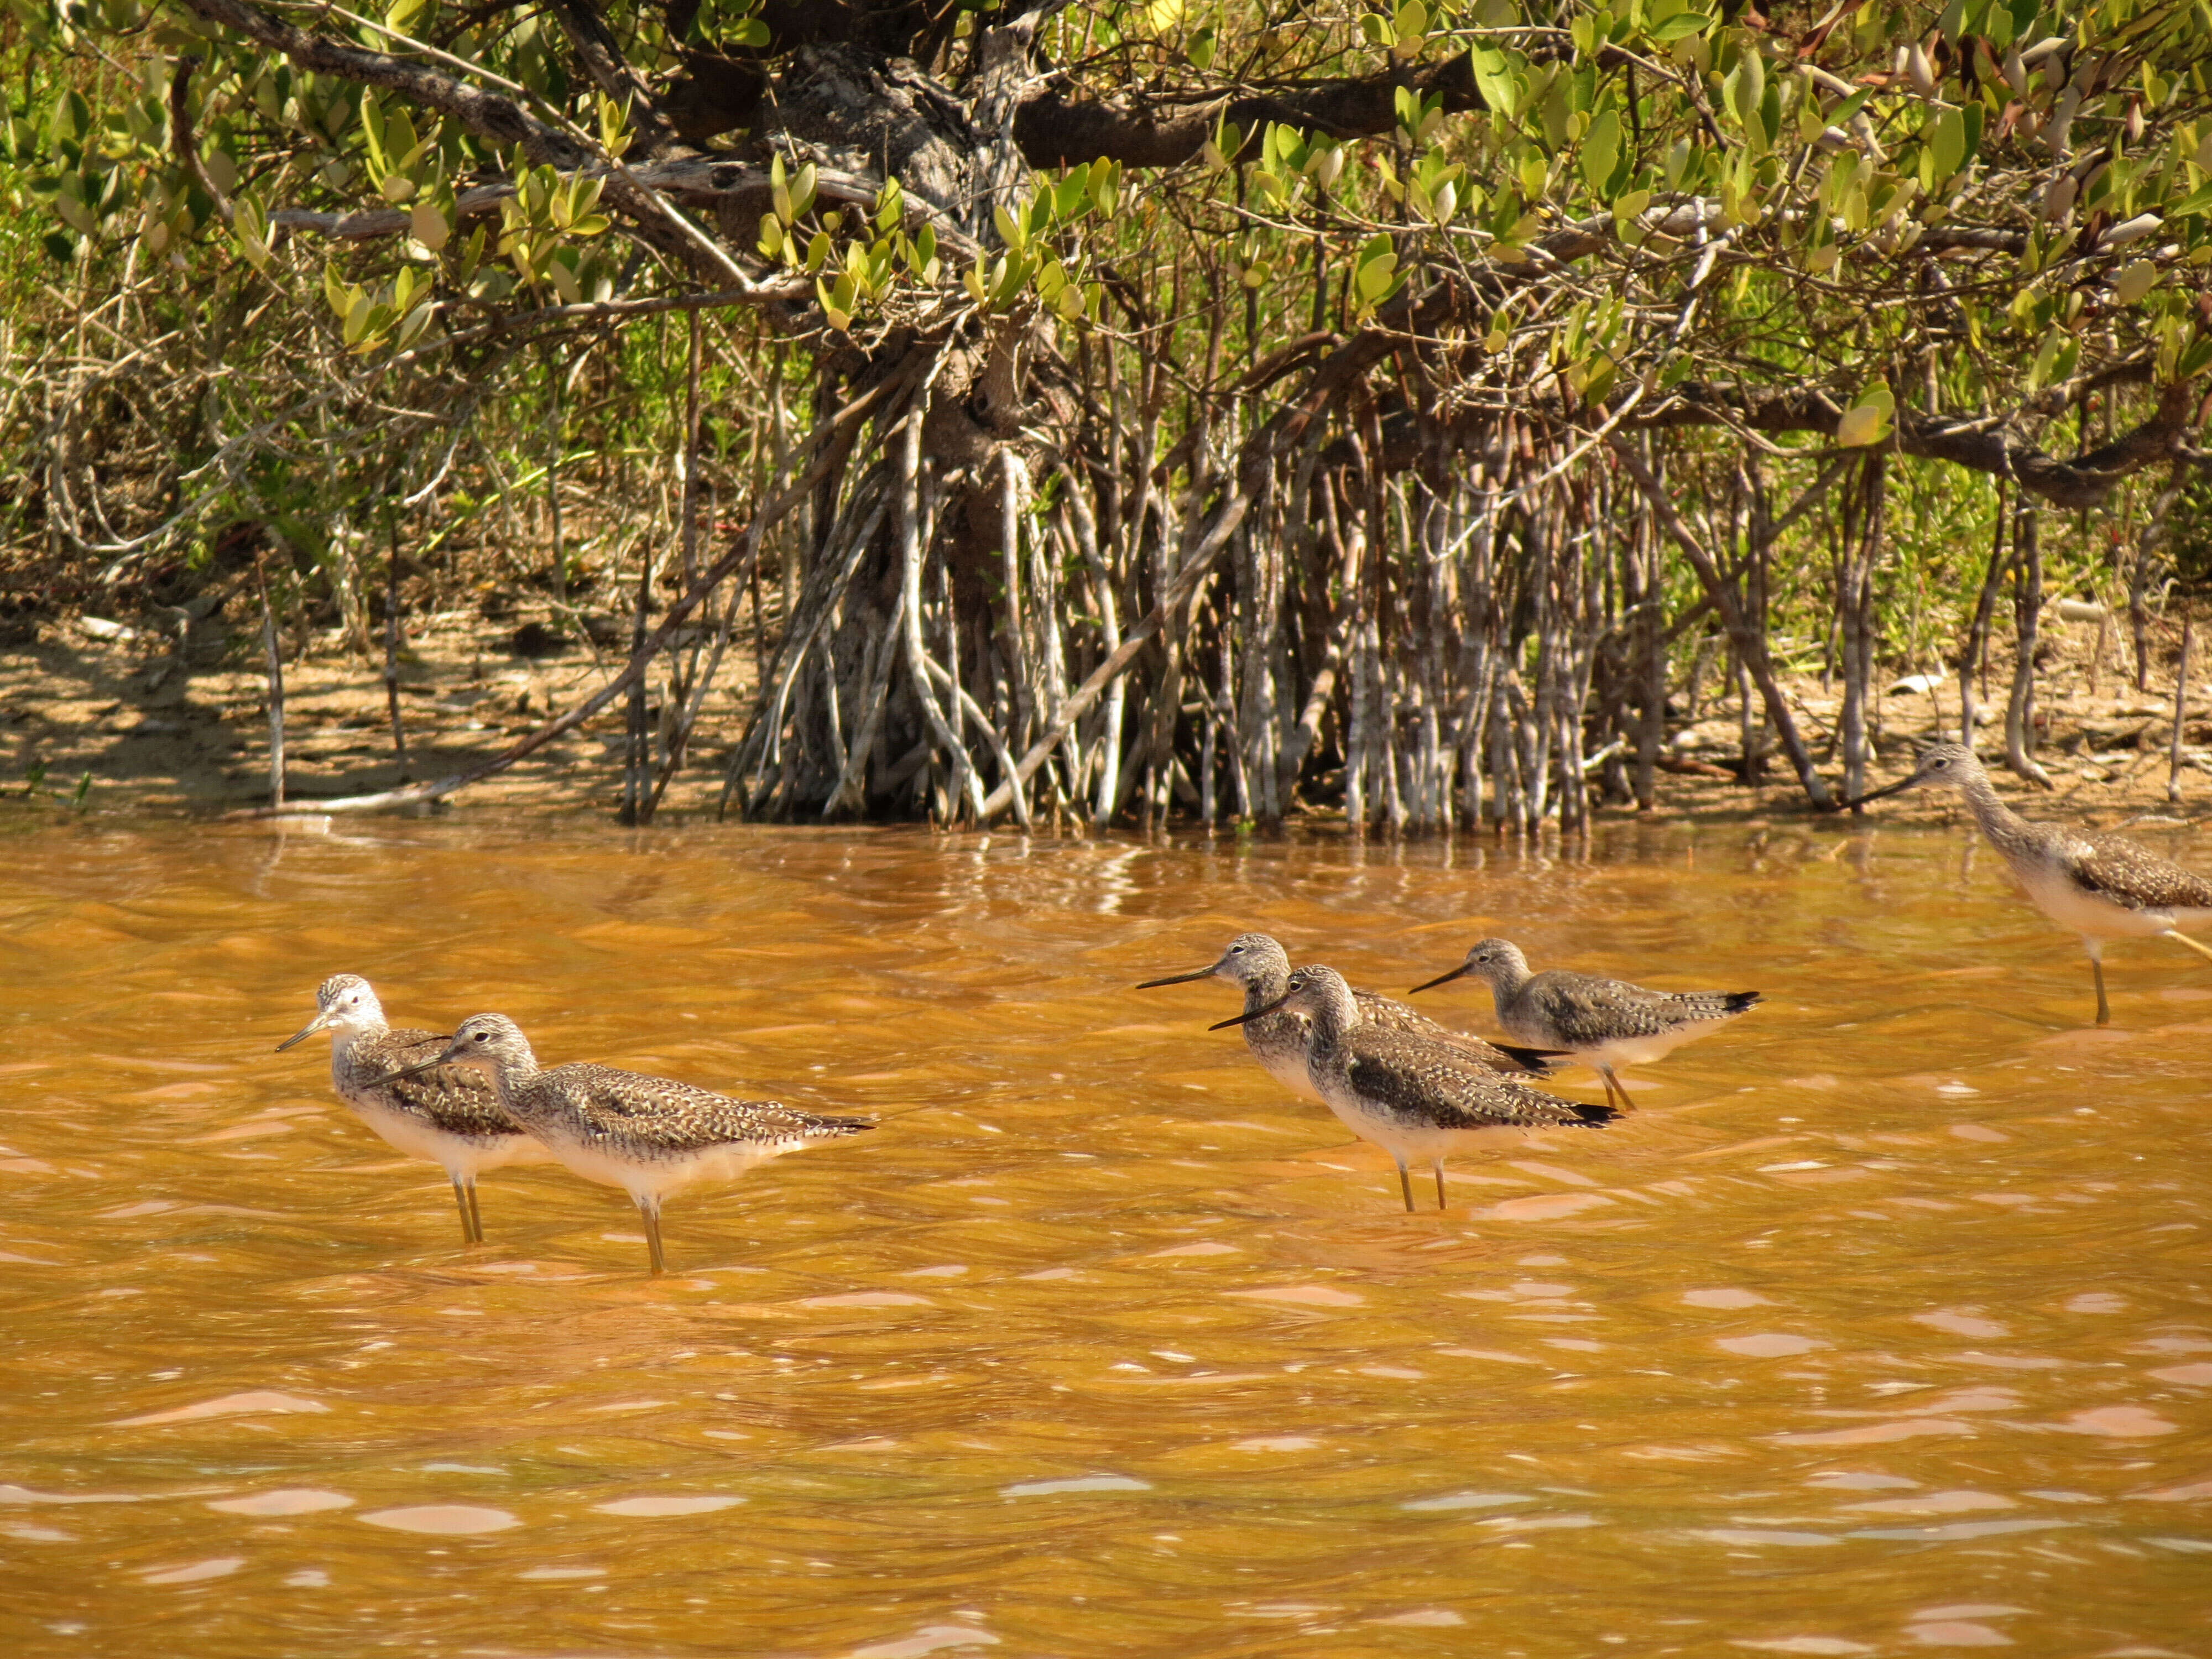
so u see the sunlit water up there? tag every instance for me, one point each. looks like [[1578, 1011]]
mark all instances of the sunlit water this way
[[1881, 1328]]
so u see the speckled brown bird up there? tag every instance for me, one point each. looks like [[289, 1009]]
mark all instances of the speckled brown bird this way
[[647, 1135], [1277, 1039], [450, 1116], [1605, 1022], [1416, 1098], [2103, 887]]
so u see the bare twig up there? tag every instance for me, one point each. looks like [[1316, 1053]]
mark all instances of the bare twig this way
[[2180, 709]]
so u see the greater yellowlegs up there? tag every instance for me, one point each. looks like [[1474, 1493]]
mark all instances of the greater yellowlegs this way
[[647, 1135], [1278, 1039], [2103, 887], [452, 1118], [1416, 1098], [1604, 1023]]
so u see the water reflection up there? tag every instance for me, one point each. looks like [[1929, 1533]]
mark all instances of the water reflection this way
[[1882, 1317]]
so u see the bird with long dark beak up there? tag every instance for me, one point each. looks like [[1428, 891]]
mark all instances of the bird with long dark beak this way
[[1418, 1099], [1277, 1041], [452, 1118], [2102, 887], [1605, 1022], [647, 1135]]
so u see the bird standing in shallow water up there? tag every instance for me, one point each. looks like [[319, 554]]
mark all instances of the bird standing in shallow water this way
[[2103, 887], [450, 1117], [1414, 1097], [1278, 1039], [1605, 1022], [647, 1135]]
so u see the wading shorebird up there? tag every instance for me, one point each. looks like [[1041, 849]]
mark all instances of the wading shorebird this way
[[2103, 887], [452, 1118], [1278, 1038], [647, 1135], [1418, 1099], [1604, 1023]]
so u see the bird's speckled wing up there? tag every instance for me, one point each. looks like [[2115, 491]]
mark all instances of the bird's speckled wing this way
[[457, 1099], [661, 1113], [1388, 1014], [1430, 1082], [2138, 878], [1585, 1012]]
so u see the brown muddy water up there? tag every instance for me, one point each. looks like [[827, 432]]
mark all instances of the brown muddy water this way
[[1881, 1328]]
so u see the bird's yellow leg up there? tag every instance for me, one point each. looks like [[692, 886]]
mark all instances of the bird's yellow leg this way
[[1439, 1167], [2096, 949], [461, 1200], [1406, 1186], [1612, 1089]]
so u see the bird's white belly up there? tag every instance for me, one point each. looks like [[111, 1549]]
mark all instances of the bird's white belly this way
[[1412, 1143], [1279, 1045], [656, 1177], [461, 1155], [515, 1149], [1290, 1071], [1617, 1053], [1643, 1050], [2091, 914]]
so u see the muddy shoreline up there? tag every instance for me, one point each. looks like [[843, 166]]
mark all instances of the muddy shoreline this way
[[168, 717]]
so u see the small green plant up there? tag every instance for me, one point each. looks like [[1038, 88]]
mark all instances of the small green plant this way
[[35, 782]]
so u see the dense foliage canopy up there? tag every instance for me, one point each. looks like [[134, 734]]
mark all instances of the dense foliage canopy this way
[[1142, 400]]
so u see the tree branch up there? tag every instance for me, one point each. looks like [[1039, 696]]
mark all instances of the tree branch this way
[[494, 118], [185, 141], [1991, 446], [1056, 127], [595, 45], [702, 181]]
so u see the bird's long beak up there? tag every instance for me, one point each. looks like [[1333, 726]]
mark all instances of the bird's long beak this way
[[1223, 1026], [306, 1031], [1876, 794], [430, 1065], [1460, 972], [1180, 979]]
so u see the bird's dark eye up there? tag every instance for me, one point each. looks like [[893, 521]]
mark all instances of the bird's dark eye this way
[[483, 1036]]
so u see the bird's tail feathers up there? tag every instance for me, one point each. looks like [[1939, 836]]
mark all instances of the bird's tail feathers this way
[[1695, 1007]]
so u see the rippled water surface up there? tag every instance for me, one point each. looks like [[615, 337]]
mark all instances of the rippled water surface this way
[[1881, 1328]]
